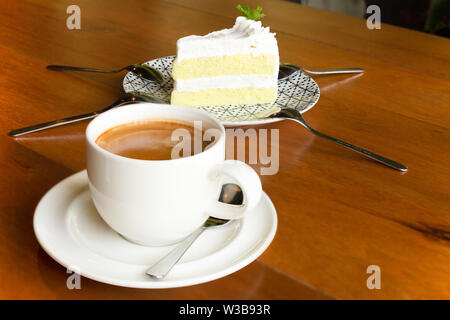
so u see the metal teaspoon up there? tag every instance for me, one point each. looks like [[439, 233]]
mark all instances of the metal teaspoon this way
[[286, 69], [231, 194], [140, 69], [295, 115], [129, 97]]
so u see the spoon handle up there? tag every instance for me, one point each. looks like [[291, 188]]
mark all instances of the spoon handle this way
[[80, 117], [51, 124], [295, 115], [59, 67], [335, 71], [160, 269], [388, 162]]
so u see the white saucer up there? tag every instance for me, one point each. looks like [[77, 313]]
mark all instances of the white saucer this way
[[70, 230]]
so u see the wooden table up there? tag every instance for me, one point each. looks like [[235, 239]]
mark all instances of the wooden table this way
[[338, 212]]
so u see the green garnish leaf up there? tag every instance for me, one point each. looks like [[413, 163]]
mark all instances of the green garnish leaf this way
[[253, 14]]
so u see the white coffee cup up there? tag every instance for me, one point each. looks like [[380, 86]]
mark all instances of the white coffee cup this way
[[160, 202]]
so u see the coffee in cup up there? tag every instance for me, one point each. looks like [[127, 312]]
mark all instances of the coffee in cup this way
[[152, 139], [161, 200]]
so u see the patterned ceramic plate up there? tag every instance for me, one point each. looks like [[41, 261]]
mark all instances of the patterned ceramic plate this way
[[299, 91]]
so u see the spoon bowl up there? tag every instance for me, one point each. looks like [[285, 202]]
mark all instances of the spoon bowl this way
[[146, 72]]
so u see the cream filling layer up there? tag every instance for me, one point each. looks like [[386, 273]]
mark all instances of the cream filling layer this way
[[242, 81]]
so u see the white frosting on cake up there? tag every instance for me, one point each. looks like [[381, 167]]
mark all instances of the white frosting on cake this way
[[246, 37], [241, 81]]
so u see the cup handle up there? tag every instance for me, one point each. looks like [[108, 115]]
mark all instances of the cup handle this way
[[247, 179]]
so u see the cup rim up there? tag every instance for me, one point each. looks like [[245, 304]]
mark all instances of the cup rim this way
[[170, 109]]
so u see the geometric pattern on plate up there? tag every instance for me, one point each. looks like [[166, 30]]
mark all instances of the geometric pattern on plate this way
[[299, 91]]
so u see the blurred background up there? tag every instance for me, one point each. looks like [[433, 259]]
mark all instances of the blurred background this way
[[432, 16]]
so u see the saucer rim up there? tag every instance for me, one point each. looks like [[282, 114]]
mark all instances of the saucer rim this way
[[152, 283]]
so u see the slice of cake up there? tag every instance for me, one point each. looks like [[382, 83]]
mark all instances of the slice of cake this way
[[227, 67]]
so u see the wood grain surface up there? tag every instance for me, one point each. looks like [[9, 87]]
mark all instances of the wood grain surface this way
[[338, 212]]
